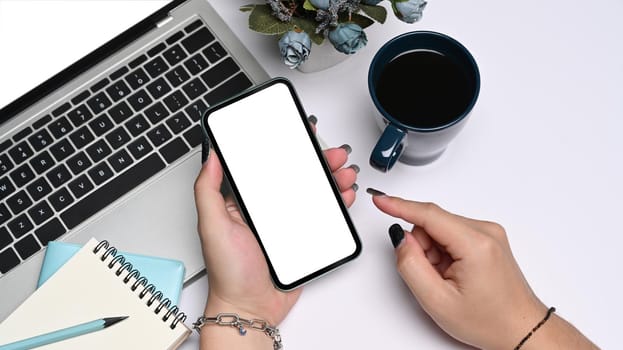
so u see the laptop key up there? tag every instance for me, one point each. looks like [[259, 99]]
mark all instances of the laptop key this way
[[41, 212], [62, 149], [20, 226], [175, 101], [175, 37], [6, 187], [5, 215], [118, 90], [177, 76], [61, 109], [39, 189], [156, 67], [20, 152], [196, 24], [42, 121], [220, 72], [22, 175], [156, 113], [4, 145], [139, 100], [19, 202], [99, 102], [194, 88], [101, 125], [174, 55], [120, 160], [5, 238], [80, 115], [8, 260], [40, 140], [214, 52], [81, 137], [194, 136], [78, 163], [231, 87], [137, 125], [196, 64], [156, 49], [118, 137], [60, 127], [137, 78], [60, 199], [80, 97], [23, 133], [98, 151], [159, 135], [112, 191], [42, 162], [196, 109], [199, 39], [100, 173], [178, 123], [58, 176], [80, 186], [100, 85], [140, 148], [5, 164], [27, 246], [137, 61], [174, 150], [119, 73], [120, 112], [50, 231], [158, 88]]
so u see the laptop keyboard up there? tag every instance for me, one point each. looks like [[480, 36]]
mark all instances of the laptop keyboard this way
[[108, 139]]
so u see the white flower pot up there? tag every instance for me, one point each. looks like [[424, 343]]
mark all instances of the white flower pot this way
[[322, 57]]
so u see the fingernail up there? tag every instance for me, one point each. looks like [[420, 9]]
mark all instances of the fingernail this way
[[205, 150], [375, 192], [347, 148], [396, 234], [355, 187], [355, 167], [312, 119]]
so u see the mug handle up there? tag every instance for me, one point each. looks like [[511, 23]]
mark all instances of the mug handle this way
[[388, 148]]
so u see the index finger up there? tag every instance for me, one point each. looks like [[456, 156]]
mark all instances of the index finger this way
[[445, 228]]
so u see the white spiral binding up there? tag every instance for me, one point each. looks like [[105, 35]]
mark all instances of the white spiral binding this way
[[141, 281]]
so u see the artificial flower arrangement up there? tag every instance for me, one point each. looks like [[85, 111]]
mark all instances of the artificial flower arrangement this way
[[342, 22]]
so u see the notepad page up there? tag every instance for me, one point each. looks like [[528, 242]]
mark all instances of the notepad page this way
[[85, 289]]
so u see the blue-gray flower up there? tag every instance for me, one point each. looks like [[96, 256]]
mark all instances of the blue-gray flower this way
[[320, 4], [371, 2], [294, 47], [409, 11], [348, 38]]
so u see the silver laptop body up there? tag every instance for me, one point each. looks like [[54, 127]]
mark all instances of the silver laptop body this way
[[158, 217]]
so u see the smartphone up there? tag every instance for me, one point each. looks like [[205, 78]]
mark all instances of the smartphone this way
[[282, 183]]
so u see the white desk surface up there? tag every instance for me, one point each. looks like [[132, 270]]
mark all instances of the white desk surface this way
[[541, 155]]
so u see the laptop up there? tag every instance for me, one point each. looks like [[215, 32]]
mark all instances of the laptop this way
[[109, 147]]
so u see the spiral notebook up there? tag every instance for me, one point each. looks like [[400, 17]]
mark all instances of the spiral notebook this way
[[96, 283]]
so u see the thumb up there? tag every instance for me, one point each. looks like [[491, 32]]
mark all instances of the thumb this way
[[211, 209], [415, 269]]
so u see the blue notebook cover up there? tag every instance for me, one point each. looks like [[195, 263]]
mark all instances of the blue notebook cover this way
[[167, 275]]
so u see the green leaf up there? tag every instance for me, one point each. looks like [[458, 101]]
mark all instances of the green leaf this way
[[309, 6], [378, 13], [247, 8], [262, 21], [361, 20], [309, 27]]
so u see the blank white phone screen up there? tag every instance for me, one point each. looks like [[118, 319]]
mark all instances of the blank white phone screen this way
[[280, 179]]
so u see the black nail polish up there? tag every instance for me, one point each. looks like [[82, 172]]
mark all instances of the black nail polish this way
[[347, 148], [396, 234], [312, 119], [205, 150], [375, 192], [355, 187], [355, 167]]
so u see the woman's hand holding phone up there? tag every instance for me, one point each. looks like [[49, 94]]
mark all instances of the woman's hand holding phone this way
[[238, 276]]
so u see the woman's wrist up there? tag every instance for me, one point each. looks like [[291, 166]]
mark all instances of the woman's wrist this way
[[225, 335]]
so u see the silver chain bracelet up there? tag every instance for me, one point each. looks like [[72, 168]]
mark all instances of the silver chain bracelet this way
[[233, 320]]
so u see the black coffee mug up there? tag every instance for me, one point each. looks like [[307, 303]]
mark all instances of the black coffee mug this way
[[424, 85]]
